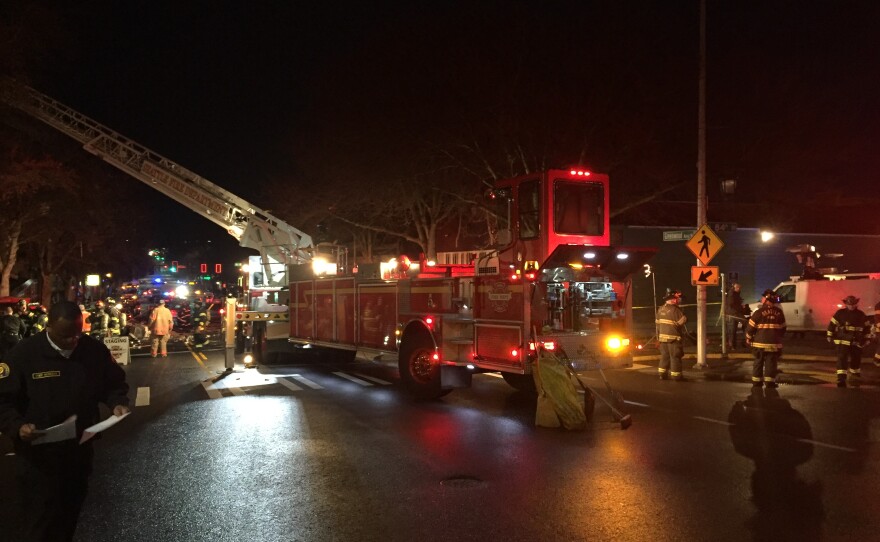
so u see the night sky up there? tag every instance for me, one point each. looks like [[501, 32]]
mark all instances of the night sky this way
[[252, 94]]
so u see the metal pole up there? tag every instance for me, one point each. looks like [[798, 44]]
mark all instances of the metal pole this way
[[229, 333], [723, 315], [656, 327], [701, 185]]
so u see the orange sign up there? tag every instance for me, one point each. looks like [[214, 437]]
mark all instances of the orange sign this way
[[704, 276], [705, 244]]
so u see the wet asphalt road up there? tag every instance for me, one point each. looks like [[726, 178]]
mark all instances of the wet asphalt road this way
[[326, 452]]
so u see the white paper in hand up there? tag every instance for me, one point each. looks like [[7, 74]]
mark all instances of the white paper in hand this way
[[100, 426], [65, 430]]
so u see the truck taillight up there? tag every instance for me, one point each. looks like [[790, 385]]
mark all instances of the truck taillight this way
[[579, 173], [514, 353]]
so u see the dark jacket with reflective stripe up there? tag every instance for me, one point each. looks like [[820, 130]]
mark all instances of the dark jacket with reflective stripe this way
[[849, 327], [39, 386], [670, 319], [766, 327]]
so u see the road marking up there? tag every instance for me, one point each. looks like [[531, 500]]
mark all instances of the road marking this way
[[308, 382], [637, 404], [212, 392], [493, 375], [832, 446], [203, 356], [198, 359], [719, 422], [143, 397], [220, 384], [639, 367], [287, 384], [374, 379], [354, 379]]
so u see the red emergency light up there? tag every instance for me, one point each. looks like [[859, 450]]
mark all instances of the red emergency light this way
[[579, 173]]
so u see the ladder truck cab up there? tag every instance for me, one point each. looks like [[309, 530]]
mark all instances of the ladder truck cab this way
[[552, 280]]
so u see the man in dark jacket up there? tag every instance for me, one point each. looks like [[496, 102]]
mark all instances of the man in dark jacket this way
[[12, 329], [735, 313], [764, 332], [44, 381]]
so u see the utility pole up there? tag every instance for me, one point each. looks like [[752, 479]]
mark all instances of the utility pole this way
[[701, 185]]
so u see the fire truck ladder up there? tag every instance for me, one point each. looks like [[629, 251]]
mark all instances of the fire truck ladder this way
[[251, 226]]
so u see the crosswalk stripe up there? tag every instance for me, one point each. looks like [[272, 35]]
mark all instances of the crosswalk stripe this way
[[354, 379], [288, 384], [212, 392], [235, 391], [374, 379], [308, 382], [143, 397]]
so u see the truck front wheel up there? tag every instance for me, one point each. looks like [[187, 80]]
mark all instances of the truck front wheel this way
[[419, 371], [523, 383]]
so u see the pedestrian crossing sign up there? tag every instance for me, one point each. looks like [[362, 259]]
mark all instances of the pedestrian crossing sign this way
[[705, 244]]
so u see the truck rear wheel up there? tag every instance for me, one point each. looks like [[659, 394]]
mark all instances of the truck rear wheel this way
[[419, 371], [523, 383]]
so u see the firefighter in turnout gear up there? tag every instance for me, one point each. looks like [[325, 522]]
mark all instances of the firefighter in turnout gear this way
[[764, 332], [670, 321], [41, 320], [849, 330], [99, 321], [114, 318], [200, 324], [876, 333], [27, 317]]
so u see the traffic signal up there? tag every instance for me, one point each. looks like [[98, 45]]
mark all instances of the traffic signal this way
[[218, 268], [203, 268]]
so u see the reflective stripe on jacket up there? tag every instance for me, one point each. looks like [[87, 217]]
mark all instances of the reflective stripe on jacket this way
[[670, 319], [765, 328], [849, 327]]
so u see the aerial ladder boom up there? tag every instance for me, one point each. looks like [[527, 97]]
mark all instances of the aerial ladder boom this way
[[252, 227]]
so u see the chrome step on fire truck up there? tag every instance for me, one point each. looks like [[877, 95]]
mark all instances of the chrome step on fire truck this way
[[552, 280]]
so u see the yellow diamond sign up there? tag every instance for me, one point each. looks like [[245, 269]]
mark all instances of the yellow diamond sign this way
[[705, 244]]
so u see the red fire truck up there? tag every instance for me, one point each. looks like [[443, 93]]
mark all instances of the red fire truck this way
[[552, 280]]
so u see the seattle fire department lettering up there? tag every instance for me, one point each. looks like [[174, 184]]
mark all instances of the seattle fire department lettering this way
[[499, 297]]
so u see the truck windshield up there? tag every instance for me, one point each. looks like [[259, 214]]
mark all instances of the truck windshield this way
[[578, 208]]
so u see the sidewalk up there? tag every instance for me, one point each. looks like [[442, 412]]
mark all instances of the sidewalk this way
[[805, 360]]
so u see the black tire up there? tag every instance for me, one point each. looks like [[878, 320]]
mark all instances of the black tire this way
[[589, 403], [258, 347], [419, 372], [523, 383]]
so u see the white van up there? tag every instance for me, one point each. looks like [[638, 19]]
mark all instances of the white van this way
[[809, 304]]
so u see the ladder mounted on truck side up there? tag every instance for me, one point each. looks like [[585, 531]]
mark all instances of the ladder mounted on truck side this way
[[252, 227]]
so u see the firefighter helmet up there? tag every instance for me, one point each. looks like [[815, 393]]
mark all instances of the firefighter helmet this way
[[770, 296], [672, 294], [851, 300]]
